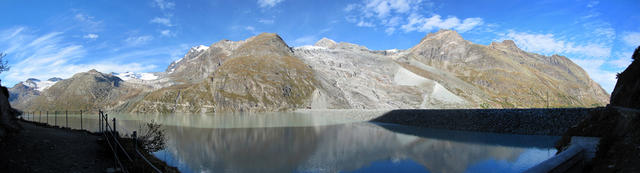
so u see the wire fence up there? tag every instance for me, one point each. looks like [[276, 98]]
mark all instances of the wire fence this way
[[105, 128]]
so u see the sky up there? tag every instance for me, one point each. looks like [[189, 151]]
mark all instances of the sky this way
[[44, 39]]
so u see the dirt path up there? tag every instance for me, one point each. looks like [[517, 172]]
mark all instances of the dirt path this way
[[43, 149]]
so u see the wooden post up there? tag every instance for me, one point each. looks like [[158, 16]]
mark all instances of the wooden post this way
[[40, 118], [66, 118], [47, 117], [55, 118]]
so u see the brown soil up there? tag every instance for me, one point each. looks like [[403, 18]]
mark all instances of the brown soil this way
[[44, 149]]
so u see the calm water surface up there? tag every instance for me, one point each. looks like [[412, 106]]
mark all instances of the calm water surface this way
[[325, 142]]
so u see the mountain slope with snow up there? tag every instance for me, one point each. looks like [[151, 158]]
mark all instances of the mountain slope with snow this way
[[263, 73]]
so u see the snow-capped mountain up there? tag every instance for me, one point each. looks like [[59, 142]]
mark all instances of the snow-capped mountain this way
[[193, 52], [41, 85], [263, 73]]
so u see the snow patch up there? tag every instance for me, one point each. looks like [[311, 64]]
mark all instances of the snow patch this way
[[40, 85], [132, 75], [309, 47], [200, 48], [177, 61], [44, 85]]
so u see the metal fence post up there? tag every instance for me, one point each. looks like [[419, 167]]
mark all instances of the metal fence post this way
[[66, 118], [80, 119], [55, 118], [47, 117], [114, 125]]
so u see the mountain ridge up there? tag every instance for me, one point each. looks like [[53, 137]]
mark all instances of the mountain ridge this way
[[262, 73]]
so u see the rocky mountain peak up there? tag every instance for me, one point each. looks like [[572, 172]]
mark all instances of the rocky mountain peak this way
[[326, 43], [505, 45], [263, 44], [444, 34]]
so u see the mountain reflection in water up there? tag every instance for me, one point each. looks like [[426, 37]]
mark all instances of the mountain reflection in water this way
[[333, 148], [293, 142]]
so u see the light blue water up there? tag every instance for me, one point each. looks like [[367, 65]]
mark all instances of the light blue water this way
[[300, 142]]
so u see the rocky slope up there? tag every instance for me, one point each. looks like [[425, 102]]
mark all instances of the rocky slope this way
[[22, 93], [509, 76], [90, 90], [263, 73], [259, 74]]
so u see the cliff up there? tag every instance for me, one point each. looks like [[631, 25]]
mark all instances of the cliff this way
[[627, 90]]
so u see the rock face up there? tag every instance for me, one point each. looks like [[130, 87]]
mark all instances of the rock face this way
[[263, 73], [259, 74], [509, 76], [627, 90]]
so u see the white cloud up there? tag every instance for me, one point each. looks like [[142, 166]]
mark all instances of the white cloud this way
[[250, 28], [47, 55], [164, 4], [382, 8], [548, 44], [163, 21], [88, 23], [305, 40], [406, 15], [632, 38], [419, 23], [266, 21], [138, 40], [167, 33], [268, 3], [622, 61], [390, 30], [91, 36], [606, 79], [394, 21], [350, 7], [364, 24]]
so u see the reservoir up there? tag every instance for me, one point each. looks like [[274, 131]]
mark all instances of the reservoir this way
[[323, 142]]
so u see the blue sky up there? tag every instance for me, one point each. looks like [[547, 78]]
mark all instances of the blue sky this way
[[46, 39]]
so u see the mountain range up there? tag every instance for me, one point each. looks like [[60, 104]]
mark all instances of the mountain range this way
[[263, 73]]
